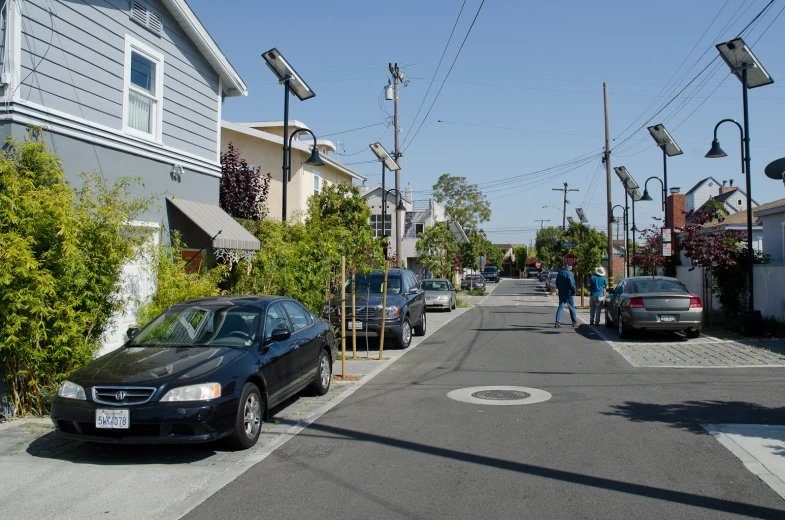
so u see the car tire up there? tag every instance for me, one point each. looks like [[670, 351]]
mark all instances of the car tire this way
[[420, 329], [608, 322], [405, 339], [248, 421], [454, 305], [324, 374], [693, 333], [624, 332]]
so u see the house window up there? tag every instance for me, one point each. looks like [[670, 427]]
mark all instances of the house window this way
[[738, 202], [376, 222], [418, 229], [143, 93], [317, 184]]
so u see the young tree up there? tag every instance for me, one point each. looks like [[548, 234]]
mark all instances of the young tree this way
[[62, 252], [521, 255], [549, 246], [463, 203], [709, 247], [437, 248], [243, 190], [648, 256], [589, 249]]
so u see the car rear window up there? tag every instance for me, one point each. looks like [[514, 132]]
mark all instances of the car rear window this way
[[658, 286], [374, 284]]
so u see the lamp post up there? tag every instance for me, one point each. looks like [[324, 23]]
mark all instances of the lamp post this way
[[630, 192], [646, 195], [748, 69], [292, 82], [612, 219], [314, 159], [399, 210], [388, 163], [669, 149]]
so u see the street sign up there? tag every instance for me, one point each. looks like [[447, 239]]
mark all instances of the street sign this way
[[570, 259], [666, 234], [667, 249], [618, 255], [481, 261], [569, 244]]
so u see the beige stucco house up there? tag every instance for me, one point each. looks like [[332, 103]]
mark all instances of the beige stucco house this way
[[261, 144]]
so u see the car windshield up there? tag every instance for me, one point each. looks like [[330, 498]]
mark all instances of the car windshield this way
[[489, 270], [374, 283], [431, 285], [202, 325], [658, 286]]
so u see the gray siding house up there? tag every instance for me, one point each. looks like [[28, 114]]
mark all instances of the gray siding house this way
[[127, 87]]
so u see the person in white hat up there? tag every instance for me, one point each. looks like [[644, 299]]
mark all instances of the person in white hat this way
[[597, 286]]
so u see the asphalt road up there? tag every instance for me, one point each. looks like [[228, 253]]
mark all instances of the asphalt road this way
[[615, 441]]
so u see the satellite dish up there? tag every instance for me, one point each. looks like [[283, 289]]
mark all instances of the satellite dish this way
[[776, 169]]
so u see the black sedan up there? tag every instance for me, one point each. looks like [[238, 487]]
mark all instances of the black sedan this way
[[203, 370]]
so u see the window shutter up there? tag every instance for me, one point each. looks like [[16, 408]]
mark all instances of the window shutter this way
[[142, 14]]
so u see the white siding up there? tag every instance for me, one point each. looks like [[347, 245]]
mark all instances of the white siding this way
[[702, 195]]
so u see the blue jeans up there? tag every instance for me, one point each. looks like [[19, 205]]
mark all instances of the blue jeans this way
[[571, 304]]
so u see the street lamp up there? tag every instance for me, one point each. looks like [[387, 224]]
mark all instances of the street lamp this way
[[292, 82], [314, 159], [388, 163], [400, 209], [646, 195], [669, 149], [630, 192], [751, 73], [611, 221]]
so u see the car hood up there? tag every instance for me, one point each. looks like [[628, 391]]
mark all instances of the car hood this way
[[436, 294], [137, 364], [372, 300]]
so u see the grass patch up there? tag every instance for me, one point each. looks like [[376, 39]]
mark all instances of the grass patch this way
[[475, 292], [462, 304], [347, 377]]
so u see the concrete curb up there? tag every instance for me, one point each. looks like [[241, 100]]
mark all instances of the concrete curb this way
[[21, 422], [226, 478]]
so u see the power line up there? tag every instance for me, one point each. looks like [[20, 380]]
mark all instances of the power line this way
[[352, 130], [424, 119], [514, 129]]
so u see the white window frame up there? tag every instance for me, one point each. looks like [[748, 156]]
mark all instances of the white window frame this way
[[376, 222], [134, 45], [317, 184]]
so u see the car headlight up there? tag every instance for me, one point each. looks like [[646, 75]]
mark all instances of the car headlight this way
[[71, 390], [393, 312], [443, 297], [201, 392]]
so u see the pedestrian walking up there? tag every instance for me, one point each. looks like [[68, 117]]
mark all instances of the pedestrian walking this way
[[565, 284], [597, 286]]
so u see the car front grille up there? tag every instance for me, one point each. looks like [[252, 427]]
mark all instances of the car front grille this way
[[122, 395], [365, 312]]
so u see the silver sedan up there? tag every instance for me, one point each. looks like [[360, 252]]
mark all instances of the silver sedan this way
[[439, 293], [656, 303]]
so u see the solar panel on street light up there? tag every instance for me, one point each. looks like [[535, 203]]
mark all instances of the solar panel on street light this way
[[379, 151], [663, 138], [286, 72], [738, 57], [625, 177]]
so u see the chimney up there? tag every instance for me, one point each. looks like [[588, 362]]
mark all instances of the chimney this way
[[727, 189], [724, 183], [675, 217], [731, 182], [409, 192]]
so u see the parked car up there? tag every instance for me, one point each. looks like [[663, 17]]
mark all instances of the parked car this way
[[491, 273], [439, 293], [405, 313], [543, 275], [532, 272], [550, 282], [202, 370], [473, 281], [656, 303]]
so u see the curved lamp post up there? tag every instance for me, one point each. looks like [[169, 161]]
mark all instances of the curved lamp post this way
[[400, 208], [646, 195], [388, 163], [669, 148]]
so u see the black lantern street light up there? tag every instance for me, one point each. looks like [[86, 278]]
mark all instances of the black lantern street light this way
[[400, 208], [292, 82], [388, 163], [626, 234], [748, 69], [669, 149], [646, 195]]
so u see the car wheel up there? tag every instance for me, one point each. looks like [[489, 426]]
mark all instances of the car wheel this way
[[248, 423], [608, 322], [693, 333], [405, 339], [419, 330], [623, 331], [324, 373]]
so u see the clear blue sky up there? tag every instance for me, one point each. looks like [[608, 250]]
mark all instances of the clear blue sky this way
[[529, 73]]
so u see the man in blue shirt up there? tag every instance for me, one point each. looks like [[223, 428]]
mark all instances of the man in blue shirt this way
[[597, 285], [565, 283]]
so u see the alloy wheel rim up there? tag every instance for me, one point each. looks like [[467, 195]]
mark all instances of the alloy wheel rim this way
[[252, 413], [407, 333], [620, 325], [325, 372]]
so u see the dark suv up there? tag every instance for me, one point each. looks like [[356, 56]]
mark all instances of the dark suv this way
[[490, 273], [405, 306]]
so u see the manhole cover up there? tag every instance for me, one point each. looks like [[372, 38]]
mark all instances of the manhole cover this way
[[499, 395]]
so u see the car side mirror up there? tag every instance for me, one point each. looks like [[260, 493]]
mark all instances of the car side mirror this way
[[414, 290], [280, 335], [131, 332]]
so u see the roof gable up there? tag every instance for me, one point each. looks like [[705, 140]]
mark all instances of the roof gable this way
[[701, 183], [233, 84]]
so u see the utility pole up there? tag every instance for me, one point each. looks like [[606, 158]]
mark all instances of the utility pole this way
[[397, 75], [541, 222], [607, 160], [564, 211]]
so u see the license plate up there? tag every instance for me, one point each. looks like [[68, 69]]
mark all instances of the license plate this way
[[112, 419], [667, 318], [357, 325]]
